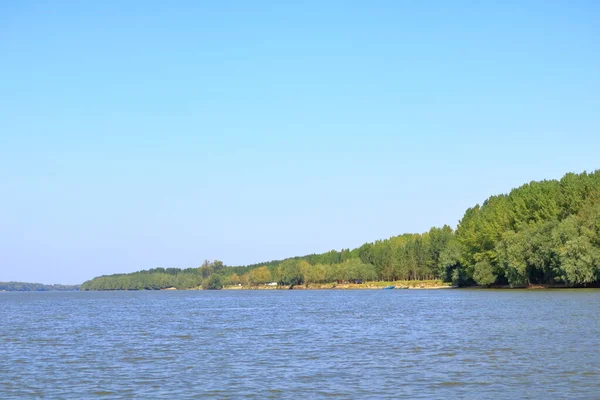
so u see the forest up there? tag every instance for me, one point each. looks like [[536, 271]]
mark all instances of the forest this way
[[543, 232], [34, 287]]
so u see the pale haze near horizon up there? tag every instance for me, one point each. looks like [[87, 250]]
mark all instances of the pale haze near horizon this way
[[136, 135]]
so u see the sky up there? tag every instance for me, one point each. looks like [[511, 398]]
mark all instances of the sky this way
[[146, 134]]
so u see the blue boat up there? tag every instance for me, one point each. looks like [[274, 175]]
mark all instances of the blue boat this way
[[389, 287]]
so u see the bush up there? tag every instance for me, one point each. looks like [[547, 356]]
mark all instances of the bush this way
[[213, 282], [484, 273]]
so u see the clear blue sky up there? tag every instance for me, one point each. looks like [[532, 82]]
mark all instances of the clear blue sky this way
[[140, 134]]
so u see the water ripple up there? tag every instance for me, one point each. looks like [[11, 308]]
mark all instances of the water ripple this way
[[289, 344]]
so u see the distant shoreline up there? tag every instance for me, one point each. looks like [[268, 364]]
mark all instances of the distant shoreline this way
[[416, 285], [14, 286], [327, 287], [330, 287]]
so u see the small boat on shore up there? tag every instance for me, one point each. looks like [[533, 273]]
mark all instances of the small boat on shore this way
[[389, 287]]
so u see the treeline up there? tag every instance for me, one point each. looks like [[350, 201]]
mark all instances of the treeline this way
[[152, 279], [34, 287], [215, 275], [544, 232]]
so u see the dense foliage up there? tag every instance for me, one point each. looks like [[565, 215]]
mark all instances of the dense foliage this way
[[544, 232], [34, 287]]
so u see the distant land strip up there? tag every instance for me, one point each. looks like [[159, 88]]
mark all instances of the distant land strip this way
[[34, 287]]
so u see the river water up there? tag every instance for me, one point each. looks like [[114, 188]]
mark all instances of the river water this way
[[301, 344]]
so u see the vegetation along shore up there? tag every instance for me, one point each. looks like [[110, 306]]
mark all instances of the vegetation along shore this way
[[34, 287], [541, 234]]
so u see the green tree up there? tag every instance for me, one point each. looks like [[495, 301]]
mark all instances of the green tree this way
[[259, 276], [484, 273], [213, 282], [449, 265], [289, 273]]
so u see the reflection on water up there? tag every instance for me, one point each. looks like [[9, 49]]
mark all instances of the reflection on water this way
[[288, 344]]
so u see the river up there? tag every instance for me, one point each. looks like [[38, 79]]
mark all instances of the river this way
[[301, 344]]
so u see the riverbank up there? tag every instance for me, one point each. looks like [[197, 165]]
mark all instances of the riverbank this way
[[428, 284], [377, 285]]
